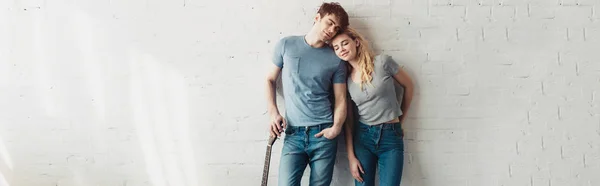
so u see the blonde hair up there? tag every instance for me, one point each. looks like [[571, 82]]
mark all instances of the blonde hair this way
[[365, 56]]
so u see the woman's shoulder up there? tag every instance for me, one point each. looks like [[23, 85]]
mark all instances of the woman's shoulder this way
[[381, 59]]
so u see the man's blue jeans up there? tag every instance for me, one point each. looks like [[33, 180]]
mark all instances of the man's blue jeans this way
[[380, 146], [301, 148]]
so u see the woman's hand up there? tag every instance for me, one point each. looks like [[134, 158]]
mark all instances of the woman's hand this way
[[355, 167]]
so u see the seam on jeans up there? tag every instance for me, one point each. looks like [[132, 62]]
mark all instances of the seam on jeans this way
[[292, 153], [398, 133], [379, 138]]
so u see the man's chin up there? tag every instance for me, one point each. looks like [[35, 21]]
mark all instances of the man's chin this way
[[325, 38]]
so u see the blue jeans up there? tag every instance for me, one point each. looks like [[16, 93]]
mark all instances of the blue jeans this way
[[301, 148], [380, 146]]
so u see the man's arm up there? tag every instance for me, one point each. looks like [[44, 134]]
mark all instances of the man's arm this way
[[339, 114], [340, 109], [276, 121]]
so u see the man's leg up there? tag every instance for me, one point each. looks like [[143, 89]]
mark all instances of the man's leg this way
[[322, 153], [293, 160]]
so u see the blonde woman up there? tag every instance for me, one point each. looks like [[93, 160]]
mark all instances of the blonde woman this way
[[377, 136]]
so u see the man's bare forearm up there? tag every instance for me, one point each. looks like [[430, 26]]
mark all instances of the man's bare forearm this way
[[271, 99], [339, 115]]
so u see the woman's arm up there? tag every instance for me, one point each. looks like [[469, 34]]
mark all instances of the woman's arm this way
[[404, 79], [349, 128], [355, 167]]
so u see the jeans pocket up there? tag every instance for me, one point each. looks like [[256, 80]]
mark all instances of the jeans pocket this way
[[289, 131], [398, 130], [361, 127], [326, 127]]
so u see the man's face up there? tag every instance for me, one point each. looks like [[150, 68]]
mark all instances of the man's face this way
[[328, 26]]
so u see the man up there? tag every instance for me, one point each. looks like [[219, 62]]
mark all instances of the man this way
[[310, 68]]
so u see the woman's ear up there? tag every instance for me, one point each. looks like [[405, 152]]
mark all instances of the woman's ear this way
[[357, 43]]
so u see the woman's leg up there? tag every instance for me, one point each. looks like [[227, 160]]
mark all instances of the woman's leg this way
[[391, 156]]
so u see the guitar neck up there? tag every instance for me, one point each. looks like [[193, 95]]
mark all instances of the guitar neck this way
[[265, 176]]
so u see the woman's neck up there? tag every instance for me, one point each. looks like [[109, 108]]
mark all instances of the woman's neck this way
[[354, 63]]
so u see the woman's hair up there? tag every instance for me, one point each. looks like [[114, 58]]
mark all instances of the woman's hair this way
[[365, 56]]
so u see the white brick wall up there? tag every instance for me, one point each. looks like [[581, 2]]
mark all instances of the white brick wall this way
[[149, 92]]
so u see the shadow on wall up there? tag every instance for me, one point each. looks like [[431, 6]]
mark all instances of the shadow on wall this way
[[6, 166], [160, 107], [158, 99]]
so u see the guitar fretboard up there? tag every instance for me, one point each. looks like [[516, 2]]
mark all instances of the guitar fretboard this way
[[265, 176]]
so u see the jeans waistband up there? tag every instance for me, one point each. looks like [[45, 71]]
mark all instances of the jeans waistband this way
[[315, 127], [382, 125]]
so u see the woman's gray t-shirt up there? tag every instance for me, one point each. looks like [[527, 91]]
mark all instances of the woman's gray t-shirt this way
[[377, 103]]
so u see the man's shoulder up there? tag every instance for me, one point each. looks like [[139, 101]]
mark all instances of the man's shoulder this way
[[291, 38], [289, 42]]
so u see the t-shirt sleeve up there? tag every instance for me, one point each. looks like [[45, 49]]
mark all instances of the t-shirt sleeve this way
[[340, 74], [390, 66], [278, 53]]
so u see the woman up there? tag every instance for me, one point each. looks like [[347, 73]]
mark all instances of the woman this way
[[378, 138]]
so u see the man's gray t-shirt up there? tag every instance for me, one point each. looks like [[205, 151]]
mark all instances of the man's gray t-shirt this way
[[377, 103], [308, 75]]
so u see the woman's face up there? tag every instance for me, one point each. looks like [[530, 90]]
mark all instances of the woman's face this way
[[344, 46]]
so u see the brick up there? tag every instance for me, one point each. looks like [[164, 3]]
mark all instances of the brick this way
[[541, 12], [537, 34], [514, 2], [478, 14], [519, 180], [574, 15], [431, 68], [504, 14], [592, 34], [488, 2], [469, 34], [495, 34], [568, 2], [448, 14], [369, 11], [417, 10], [380, 2], [575, 34], [588, 2]]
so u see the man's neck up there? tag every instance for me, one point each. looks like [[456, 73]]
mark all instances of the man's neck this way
[[312, 40]]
